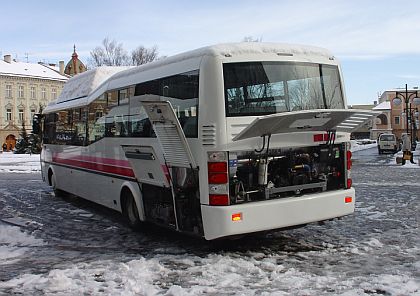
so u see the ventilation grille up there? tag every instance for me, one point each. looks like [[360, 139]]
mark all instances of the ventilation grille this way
[[172, 146], [208, 135]]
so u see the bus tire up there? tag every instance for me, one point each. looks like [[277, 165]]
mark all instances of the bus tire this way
[[53, 184], [130, 211]]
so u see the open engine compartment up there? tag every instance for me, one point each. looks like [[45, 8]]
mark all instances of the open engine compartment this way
[[276, 173]]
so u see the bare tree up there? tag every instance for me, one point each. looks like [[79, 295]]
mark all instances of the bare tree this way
[[110, 54], [142, 55]]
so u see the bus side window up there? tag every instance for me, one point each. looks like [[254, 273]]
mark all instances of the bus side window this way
[[181, 91], [96, 119]]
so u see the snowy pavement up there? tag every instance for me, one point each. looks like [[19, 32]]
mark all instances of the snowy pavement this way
[[19, 163], [67, 246]]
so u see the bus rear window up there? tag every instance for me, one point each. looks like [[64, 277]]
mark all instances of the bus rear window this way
[[259, 88]]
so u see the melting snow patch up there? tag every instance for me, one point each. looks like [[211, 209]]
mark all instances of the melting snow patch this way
[[14, 243]]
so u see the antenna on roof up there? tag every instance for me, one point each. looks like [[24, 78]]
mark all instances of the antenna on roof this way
[[26, 56]]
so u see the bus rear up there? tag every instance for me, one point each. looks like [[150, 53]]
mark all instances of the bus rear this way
[[281, 154]]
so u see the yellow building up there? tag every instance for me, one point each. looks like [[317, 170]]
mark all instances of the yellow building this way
[[395, 118], [24, 87]]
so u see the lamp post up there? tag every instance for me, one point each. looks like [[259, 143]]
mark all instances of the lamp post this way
[[411, 114]]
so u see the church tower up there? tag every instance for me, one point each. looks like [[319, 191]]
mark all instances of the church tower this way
[[74, 66]]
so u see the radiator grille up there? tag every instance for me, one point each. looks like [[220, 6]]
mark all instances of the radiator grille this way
[[172, 146]]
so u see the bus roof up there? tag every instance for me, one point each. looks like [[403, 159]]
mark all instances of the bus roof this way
[[83, 88]]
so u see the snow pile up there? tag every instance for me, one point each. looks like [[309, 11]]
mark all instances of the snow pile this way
[[19, 163], [214, 274], [15, 243], [357, 145]]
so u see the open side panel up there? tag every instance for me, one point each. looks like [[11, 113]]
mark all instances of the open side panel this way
[[170, 134], [341, 120], [146, 165]]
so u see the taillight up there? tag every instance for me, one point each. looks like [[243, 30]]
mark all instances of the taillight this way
[[348, 165], [218, 178], [219, 199], [217, 167]]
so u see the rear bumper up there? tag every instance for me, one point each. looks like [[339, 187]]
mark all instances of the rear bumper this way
[[276, 213]]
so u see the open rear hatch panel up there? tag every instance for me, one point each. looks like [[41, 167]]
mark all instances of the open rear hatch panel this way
[[340, 120]]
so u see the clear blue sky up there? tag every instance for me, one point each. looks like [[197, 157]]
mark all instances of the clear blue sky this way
[[377, 42]]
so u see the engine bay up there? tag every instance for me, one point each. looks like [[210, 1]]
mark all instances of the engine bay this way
[[276, 173]]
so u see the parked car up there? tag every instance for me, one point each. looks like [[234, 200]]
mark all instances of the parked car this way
[[388, 142]]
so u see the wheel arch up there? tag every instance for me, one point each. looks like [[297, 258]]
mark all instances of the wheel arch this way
[[134, 189]]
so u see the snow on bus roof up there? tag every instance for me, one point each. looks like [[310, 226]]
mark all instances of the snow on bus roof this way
[[85, 83], [85, 87], [235, 49], [76, 91]]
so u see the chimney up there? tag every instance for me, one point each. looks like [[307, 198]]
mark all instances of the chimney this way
[[8, 58], [61, 66]]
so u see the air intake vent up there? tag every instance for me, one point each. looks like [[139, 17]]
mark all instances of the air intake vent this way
[[208, 135]]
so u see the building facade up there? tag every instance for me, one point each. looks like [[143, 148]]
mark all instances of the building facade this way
[[24, 88], [395, 118]]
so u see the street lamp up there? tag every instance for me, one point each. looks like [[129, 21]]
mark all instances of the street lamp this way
[[411, 114]]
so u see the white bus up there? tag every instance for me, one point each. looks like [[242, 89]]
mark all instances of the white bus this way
[[220, 141]]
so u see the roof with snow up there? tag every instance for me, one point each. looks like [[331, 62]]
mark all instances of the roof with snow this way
[[21, 69], [383, 106]]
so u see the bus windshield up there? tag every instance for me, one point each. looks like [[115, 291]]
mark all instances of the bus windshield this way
[[260, 88]]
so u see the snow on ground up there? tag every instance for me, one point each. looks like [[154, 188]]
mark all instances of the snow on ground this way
[[214, 274], [357, 145], [19, 163], [14, 243]]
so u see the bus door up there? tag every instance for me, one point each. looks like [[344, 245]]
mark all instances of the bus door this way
[[180, 164]]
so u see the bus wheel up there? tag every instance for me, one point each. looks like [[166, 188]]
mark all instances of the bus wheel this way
[[130, 211], [53, 182]]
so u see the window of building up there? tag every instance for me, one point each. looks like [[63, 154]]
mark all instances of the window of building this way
[[21, 91], [33, 92], [44, 93], [21, 115], [397, 120], [54, 93], [8, 91], [8, 114]]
